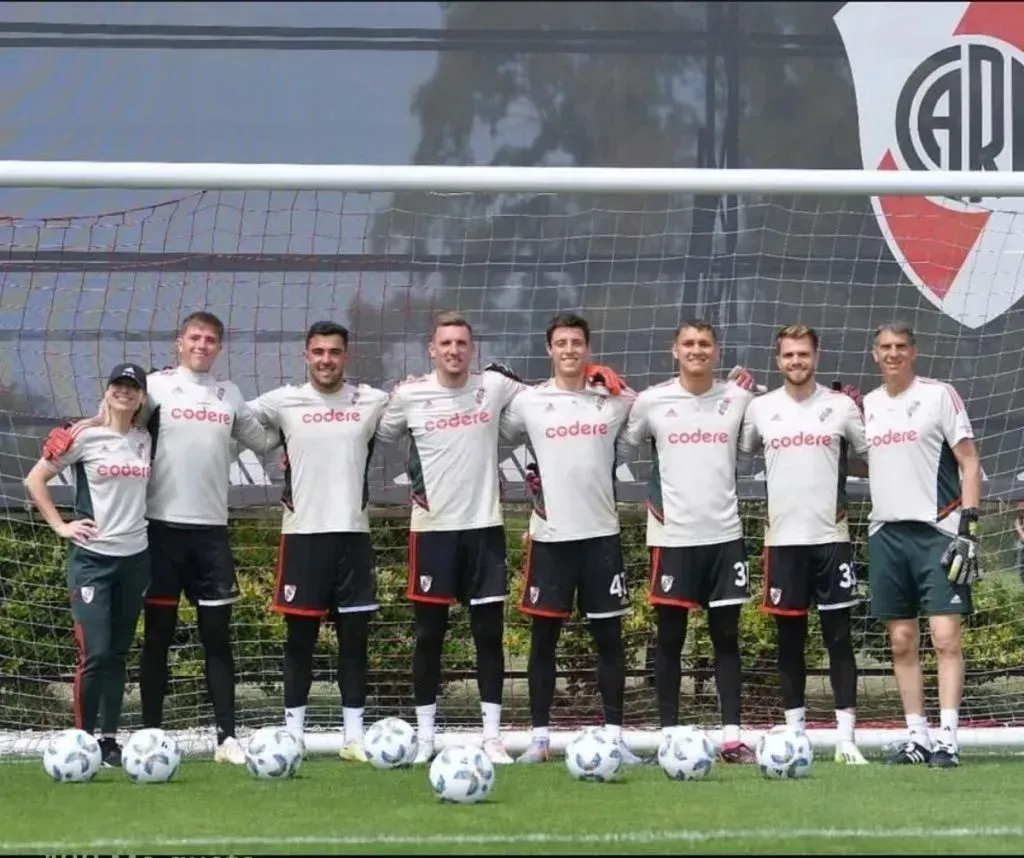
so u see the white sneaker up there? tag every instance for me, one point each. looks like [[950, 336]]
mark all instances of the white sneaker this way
[[425, 753], [229, 751], [849, 754], [628, 757], [496, 753]]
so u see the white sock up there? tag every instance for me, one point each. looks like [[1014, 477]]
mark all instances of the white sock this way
[[425, 722], [730, 734], [353, 721], [796, 719], [845, 721], [614, 730], [540, 734], [918, 727], [295, 719], [491, 713], [949, 720], [666, 730]]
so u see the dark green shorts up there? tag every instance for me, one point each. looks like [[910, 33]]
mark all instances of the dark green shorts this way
[[906, 576]]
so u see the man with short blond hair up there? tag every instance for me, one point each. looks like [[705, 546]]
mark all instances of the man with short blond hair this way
[[806, 432], [194, 419]]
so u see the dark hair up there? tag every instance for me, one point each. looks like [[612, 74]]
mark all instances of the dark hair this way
[[202, 318], [796, 332], [327, 329], [568, 320], [697, 325], [899, 329], [451, 319]]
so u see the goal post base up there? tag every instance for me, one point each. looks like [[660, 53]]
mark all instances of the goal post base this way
[[196, 743]]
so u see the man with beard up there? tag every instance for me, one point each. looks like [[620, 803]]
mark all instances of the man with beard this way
[[805, 430], [326, 560]]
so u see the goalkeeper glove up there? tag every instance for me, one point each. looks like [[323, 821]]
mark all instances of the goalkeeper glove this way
[[851, 391], [961, 557], [742, 378], [504, 370], [58, 442], [605, 376], [532, 478]]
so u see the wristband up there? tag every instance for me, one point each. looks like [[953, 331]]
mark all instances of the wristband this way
[[969, 522]]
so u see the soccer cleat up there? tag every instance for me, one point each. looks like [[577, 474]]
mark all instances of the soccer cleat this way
[[496, 753], [849, 754], [628, 757], [353, 751], [425, 752], [229, 751], [737, 752], [538, 751], [111, 753], [944, 757], [910, 754]]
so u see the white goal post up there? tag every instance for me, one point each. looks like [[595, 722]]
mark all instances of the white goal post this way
[[636, 219]]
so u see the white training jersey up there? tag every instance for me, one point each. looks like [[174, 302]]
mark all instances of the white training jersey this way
[[328, 438], [193, 418], [453, 448], [805, 449], [572, 435], [692, 489], [111, 472], [912, 472]]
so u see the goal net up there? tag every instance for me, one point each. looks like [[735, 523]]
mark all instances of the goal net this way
[[105, 272]]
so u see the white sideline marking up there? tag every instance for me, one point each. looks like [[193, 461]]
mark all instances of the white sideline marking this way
[[500, 839]]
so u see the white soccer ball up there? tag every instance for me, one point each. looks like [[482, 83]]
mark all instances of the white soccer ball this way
[[804, 756], [72, 756], [462, 774], [273, 753], [150, 756], [778, 753], [593, 755], [390, 743], [686, 754]]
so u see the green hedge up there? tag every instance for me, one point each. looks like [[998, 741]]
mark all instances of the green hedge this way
[[36, 644]]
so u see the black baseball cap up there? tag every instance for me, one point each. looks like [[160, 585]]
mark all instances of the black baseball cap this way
[[128, 372]]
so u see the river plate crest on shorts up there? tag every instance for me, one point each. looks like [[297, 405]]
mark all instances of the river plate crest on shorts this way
[[936, 84]]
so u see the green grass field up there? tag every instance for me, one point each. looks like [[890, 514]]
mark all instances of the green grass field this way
[[342, 807]]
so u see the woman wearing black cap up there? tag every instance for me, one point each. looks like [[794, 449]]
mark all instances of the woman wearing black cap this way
[[108, 559]]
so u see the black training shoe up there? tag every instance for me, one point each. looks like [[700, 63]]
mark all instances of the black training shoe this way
[[944, 757], [909, 754], [111, 752]]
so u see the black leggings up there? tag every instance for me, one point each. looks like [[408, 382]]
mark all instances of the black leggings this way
[[352, 631], [842, 664], [723, 626], [161, 621], [611, 667], [487, 624]]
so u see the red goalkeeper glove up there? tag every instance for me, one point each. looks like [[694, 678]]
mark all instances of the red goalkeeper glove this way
[[851, 391], [742, 378], [57, 443], [532, 478], [605, 376]]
